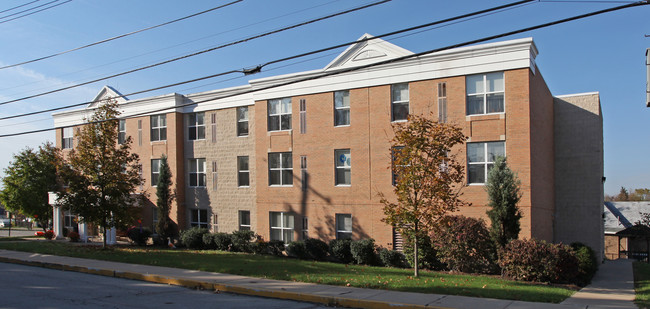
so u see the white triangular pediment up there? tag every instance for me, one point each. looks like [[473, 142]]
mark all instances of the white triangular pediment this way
[[107, 93], [367, 50]]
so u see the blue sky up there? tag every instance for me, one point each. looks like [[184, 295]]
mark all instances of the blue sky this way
[[605, 53]]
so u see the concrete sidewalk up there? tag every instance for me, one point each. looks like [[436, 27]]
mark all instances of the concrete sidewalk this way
[[611, 287], [324, 294]]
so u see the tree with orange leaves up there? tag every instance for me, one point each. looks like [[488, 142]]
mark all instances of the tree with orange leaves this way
[[428, 177]]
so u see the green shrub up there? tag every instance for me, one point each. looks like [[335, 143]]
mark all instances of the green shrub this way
[[587, 263], [316, 249], [537, 260], [392, 258], [340, 249], [260, 247], [297, 249], [48, 235], [193, 238], [241, 241], [427, 258], [464, 245], [222, 241], [208, 241], [363, 251], [276, 247], [138, 235]]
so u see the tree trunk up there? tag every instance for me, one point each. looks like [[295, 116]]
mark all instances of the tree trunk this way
[[415, 255], [104, 245]]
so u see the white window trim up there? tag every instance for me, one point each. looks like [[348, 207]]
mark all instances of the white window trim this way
[[195, 126], [239, 170], [336, 216], [485, 93], [485, 164], [342, 108], [197, 172], [392, 102], [69, 136], [342, 167], [281, 168], [243, 120], [240, 224], [279, 114], [159, 127], [154, 185], [120, 131], [282, 228], [198, 215]]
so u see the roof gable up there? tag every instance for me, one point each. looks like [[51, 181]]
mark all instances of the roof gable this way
[[366, 52], [106, 93]]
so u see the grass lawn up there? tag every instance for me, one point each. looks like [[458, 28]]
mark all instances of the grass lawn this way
[[642, 284], [263, 266]]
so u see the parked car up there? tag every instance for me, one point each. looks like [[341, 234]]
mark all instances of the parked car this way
[[5, 222]]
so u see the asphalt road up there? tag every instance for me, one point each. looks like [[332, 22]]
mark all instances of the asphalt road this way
[[35, 287], [4, 232]]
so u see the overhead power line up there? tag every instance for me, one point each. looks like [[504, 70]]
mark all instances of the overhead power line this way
[[18, 6], [446, 20], [120, 36], [200, 52], [43, 9], [327, 74]]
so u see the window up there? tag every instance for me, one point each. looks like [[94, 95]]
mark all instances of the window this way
[[243, 173], [303, 173], [343, 167], [279, 114], [121, 132], [442, 102], [139, 132], [280, 169], [394, 151], [485, 93], [199, 217], [303, 116], [400, 102], [66, 138], [196, 126], [213, 127], [342, 108], [242, 121], [155, 171], [158, 128], [214, 176], [305, 228], [244, 220], [343, 226], [281, 226], [215, 223], [197, 172], [480, 158], [70, 221]]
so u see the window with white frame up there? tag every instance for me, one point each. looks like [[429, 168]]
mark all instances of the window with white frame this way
[[155, 171], [196, 126], [199, 217], [158, 128], [343, 226], [485, 93], [121, 132], [70, 221], [279, 111], [242, 121], [342, 108], [281, 226], [67, 138], [244, 220], [442, 102], [280, 169], [343, 167], [243, 172], [197, 172], [304, 176], [399, 106], [480, 158]]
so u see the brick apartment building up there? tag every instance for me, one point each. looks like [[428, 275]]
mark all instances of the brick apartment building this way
[[308, 159]]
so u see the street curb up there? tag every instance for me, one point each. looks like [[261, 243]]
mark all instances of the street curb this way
[[221, 287]]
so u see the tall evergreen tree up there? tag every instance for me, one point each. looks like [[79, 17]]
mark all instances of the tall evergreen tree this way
[[102, 176], [165, 227], [503, 192]]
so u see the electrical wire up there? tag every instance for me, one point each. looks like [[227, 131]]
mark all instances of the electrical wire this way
[[346, 70], [27, 10], [120, 36], [31, 13], [18, 6], [200, 52], [446, 20]]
